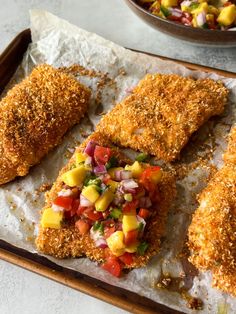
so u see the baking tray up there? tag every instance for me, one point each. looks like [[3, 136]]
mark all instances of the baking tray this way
[[129, 301]]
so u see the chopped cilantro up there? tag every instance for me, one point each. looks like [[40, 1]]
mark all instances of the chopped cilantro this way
[[142, 157], [194, 5], [115, 213], [165, 11], [140, 226], [113, 162], [141, 249], [98, 226]]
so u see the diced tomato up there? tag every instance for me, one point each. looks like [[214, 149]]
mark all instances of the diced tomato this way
[[92, 214], [130, 207], [64, 201], [105, 214], [80, 210], [113, 266], [70, 213], [131, 237], [127, 258], [102, 154], [83, 226], [106, 178], [108, 231], [226, 4], [148, 172], [144, 213]]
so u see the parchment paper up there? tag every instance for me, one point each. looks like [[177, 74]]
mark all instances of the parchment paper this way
[[59, 43]]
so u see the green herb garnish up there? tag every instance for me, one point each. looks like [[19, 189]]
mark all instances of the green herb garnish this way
[[142, 157], [141, 249], [98, 226], [165, 11], [115, 213], [194, 5], [113, 162], [140, 226]]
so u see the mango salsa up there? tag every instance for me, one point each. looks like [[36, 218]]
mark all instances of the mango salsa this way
[[51, 219], [90, 192], [74, 177], [116, 243], [104, 200], [130, 222]]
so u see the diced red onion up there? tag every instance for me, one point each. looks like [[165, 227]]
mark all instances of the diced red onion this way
[[101, 243], [119, 226], [129, 184], [88, 161], [95, 235], [57, 208], [186, 3], [176, 12], [123, 175], [141, 220], [101, 169], [145, 202], [119, 198], [84, 201], [201, 19], [65, 192], [89, 150]]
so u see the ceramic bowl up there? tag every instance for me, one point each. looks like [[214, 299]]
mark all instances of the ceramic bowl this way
[[191, 34]]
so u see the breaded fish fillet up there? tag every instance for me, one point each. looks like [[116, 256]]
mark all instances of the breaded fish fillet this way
[[212, 233], [68, 242], [34, 116], [162, 113]]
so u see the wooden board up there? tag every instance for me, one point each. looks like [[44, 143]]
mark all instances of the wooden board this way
[[129, 301]]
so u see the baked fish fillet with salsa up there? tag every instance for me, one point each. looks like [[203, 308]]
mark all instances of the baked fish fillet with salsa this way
[[212, 233], [162, 113], [106, 207], [34, 115]]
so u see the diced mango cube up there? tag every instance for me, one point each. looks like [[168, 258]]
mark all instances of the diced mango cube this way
[[74, 177], [104, 200], [129, 222], [156, 176], [90, 192], [136, 169], [112, 171], [113, 185], [79, 158], [116, 243], [203, 7], [227, 16], [169, 3], [132, 248], [51, 218], [213, 10]]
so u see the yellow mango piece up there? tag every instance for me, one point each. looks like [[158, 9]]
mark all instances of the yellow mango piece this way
[[104, 200], [79, 158], [112, 171], [132, 248], [91, 193], [210, 18], [51, 219], [203, 7], [169, 3], [156, 176], [116, 243], [113, 185], [129, 222], [213, 10], [185, 8], [74, 177], [227, 16], [136, 169]]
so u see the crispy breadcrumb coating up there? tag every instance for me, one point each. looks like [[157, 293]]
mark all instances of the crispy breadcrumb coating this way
[[162, 113], [34, 116], [212, 233], [68, 242]]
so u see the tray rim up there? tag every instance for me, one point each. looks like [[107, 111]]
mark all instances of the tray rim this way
[[7, 253]]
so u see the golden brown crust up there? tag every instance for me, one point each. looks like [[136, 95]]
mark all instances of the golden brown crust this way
[[212, 233], [67, 242], [162, 113], [230, 155], [34, 116]]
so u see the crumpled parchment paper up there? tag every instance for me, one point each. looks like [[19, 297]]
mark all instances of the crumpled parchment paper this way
[[61, 44]]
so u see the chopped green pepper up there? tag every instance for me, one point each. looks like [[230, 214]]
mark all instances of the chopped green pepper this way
[[115, 213], [142, 157], [98, 226]]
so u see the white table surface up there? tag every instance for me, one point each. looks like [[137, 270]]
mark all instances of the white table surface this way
[[22, 292]]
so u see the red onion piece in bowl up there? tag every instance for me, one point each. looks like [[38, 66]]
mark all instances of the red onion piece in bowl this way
[[89, 149], [100, 169]]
